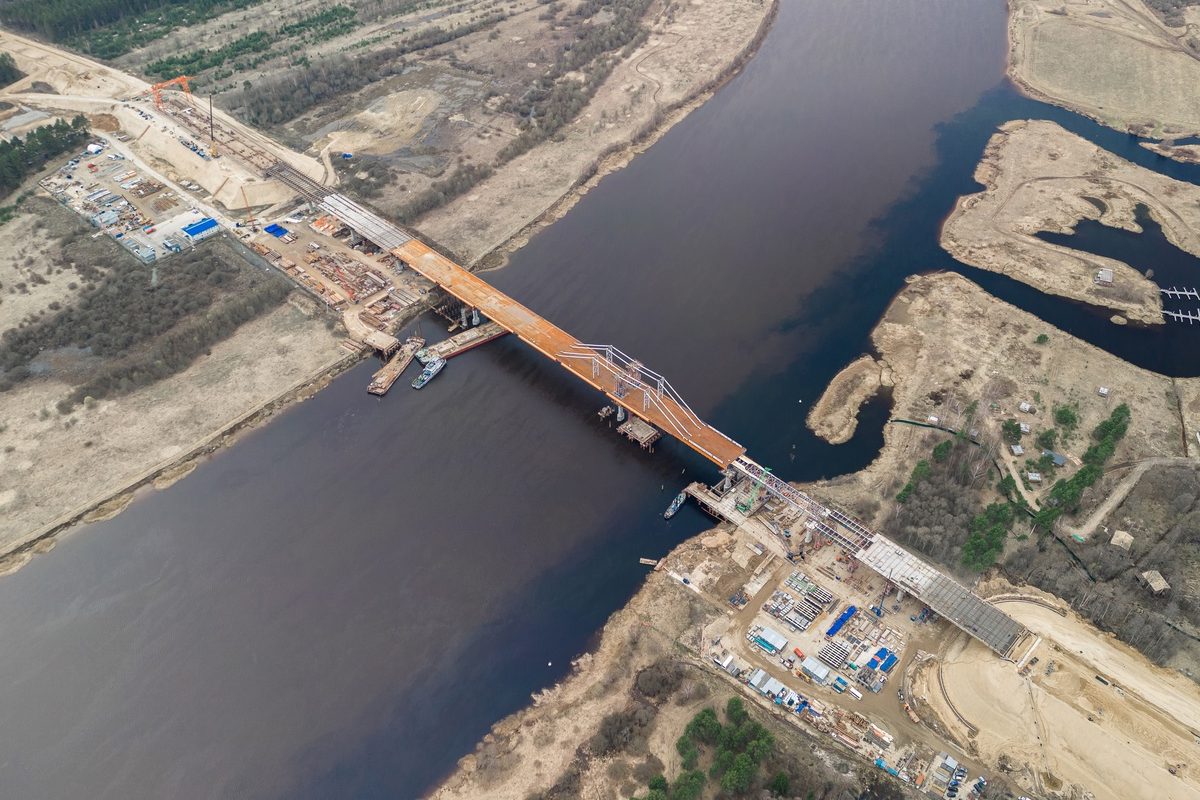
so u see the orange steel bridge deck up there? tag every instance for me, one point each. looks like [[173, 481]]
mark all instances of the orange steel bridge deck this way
[[626, 381]]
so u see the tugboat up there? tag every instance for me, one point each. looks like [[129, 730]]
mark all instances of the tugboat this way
[[676, 504], [431, 369]]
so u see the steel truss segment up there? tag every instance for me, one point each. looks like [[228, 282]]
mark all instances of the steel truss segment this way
[[642, 377]]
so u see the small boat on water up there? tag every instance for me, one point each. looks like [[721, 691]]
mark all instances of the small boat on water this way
[[676, 504], [431, 369]]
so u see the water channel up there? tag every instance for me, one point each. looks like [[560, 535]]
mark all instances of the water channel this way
[[342, 604]]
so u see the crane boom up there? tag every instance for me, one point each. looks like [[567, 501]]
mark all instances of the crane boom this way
[[157, 89]]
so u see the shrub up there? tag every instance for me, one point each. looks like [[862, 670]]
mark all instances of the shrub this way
[[660, 679]]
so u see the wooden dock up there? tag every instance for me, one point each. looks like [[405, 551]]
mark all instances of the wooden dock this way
[[1182, 294], [382, 380], [462, 342]]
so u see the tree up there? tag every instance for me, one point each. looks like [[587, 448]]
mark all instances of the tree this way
[[704, 727], [781, 785], [658, 782], [736, 712], [942, 451], [1011, 431], [739, 776], [1042, 338], [1066, 417], [1047, 439], [688, 785]]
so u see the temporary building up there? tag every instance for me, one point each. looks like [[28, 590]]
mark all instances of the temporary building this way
[[200, 230], [815, 669], [771, 639]]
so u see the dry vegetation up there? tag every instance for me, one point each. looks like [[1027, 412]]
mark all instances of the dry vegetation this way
[[1039, 177], [1115, 61]]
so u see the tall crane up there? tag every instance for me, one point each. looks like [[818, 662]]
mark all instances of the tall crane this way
[[250, 220], [157, 89]]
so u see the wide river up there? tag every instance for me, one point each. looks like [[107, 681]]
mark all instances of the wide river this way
[[342, 604]]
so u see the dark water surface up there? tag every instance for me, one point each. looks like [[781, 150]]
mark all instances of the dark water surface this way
[[343, 603]]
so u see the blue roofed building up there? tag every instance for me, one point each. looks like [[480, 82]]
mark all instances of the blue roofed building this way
[[201, 230]]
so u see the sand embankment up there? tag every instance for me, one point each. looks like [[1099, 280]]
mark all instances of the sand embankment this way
[[834, 417], [1110, 60], [1040, 177], [1116, 740]]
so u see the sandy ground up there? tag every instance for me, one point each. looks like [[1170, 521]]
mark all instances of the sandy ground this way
[[945, 338], [1068, 727], [1039, 177], [55, 468], [834, 417], [1112, 60], [646, 94]]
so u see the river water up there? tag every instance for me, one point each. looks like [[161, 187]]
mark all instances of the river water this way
[[342, 604]]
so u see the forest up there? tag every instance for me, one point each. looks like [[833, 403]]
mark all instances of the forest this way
[[61, 19], [326, 24], [19, 159]]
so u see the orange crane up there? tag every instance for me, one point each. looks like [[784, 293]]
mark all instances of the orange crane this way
[[345, 283], [157, 89], [250, 220]]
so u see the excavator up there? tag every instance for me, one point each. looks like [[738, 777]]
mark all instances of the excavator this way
[[157, 89]]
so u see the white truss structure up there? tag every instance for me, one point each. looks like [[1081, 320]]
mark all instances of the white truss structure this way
[[632, 377]]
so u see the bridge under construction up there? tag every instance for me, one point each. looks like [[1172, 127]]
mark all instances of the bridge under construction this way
[[650, 397]]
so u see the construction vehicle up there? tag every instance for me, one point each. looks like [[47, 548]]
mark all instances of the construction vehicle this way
[[157, 89], [749, 503], [250, 222]]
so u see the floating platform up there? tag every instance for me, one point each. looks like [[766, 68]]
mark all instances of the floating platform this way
[[462, 342], [382, 380], [640, 431]]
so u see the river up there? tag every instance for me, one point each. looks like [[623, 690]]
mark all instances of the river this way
[[343, 603]]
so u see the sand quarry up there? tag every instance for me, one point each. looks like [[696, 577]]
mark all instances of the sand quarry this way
[[1117, 740]]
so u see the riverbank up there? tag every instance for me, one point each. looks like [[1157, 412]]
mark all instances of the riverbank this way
[[1039, 177], [86, 467], [1112, 61], [550, 750], [686, 60], [132, 439]]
